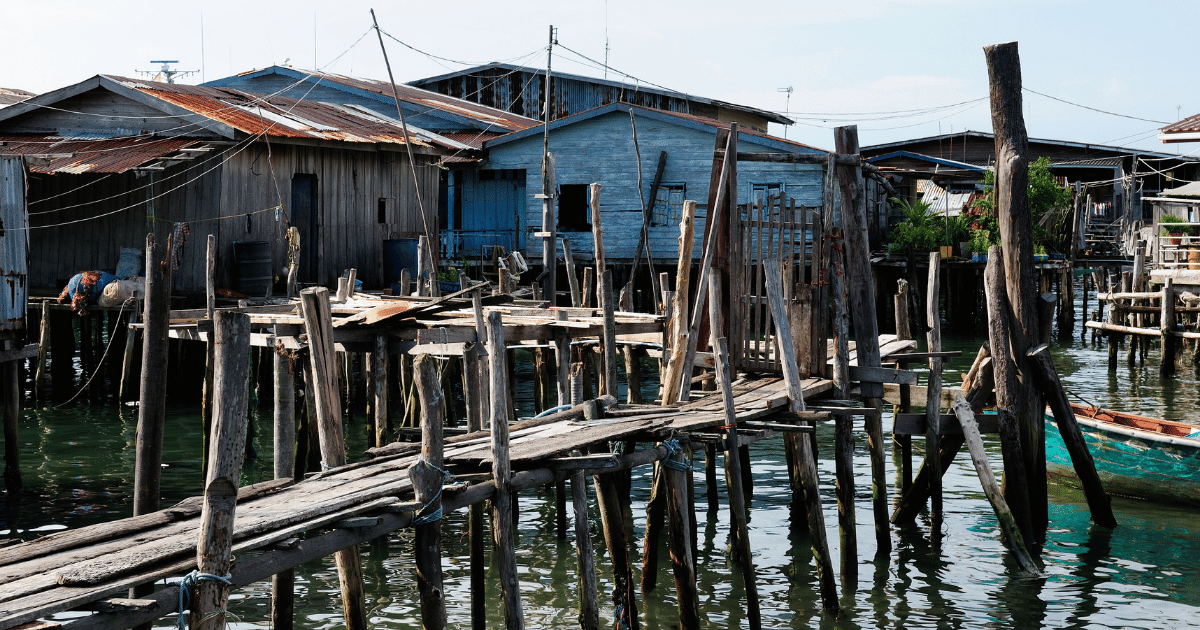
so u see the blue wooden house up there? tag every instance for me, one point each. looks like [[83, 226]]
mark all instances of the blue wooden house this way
[[497, 204]]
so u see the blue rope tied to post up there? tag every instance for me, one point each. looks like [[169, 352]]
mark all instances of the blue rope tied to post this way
[[188, 584], [673, 448], [435, 515]]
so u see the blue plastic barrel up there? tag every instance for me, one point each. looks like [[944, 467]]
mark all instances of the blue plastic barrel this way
[[398, 253]]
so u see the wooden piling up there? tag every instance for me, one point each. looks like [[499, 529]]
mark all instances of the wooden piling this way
[[1016, 490], [1166, 326], [475, 391], [841, 317], [655, 512], [152, 408], [805, 456], [679, 540], [502, 525], [676, 370], [318, 324], [283, 583], [1016, 236], [609, 384], [382, 385], [10, 399], [933, 400], [214, 551], [612, 518], [589, 597], [847, 527], [742, 554], [1046, 377], [572, 275], [427, 479]]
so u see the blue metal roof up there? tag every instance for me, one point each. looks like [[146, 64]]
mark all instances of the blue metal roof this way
[[929, 158]]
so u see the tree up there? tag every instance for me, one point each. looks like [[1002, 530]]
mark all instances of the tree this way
[[1049, 205]]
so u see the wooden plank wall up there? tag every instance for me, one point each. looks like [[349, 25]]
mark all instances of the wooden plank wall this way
[[601, 150], [349, 186]]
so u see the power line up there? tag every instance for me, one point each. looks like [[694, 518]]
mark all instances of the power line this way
[[1055, 98]]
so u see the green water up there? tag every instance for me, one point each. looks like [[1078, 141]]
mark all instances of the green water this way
[[77, 465]]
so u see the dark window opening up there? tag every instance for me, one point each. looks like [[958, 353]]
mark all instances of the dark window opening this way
[[381, 209], [573, 212], [760, 193]]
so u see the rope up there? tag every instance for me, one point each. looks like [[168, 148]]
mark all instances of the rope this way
[[673, 449], [553, 410], [190, 582], [100, 363], [622, 619], [436, 515]]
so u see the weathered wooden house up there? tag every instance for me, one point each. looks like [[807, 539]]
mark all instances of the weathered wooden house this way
[[1119, 181], [522, 90], [497, 202], [111, 159]]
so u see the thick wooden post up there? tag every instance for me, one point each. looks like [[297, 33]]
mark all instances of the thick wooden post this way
[[214, 557], [742, 554], [572, 275], [609, 386], [323, 361], [427, 479], [679, 540], [934, 397], [476, 394], [152, 408], [549, 223], [847, 528], [806, 458], [382, 381], [612, 518], [676, 370], [283, 583], [1016, 236], [841, 317], [1016, 486], [861, 289], [502, 510], [1166, 326], [10, 399], [589, 597]]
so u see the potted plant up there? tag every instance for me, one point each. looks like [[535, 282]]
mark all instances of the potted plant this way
[[958, 235], [980, 241], [1039, 253], [1171, 227], [920, 231]]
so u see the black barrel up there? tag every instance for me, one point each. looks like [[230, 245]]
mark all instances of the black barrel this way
[[252, 267]]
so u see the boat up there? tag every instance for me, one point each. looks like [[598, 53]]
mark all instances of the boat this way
[[1135, 456]]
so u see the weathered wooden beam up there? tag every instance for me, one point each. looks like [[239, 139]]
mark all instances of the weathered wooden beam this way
[[214, 551], [502, 528], [428, 477]]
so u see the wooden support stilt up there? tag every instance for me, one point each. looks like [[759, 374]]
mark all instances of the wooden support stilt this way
[[1012, 537], [805, 456], [562, 357], [502, 529], [152, 407], [679, 540], [476, 394], [841, 317], [1166, 324], [933, 401], [572, 275], [609, 384], [283, 583], [381, 375], [427, 479], [710, 477], [633, 377], [655, 512], [214, 552], [1016, 490], [612, 517], [676, 370], [10, 400], [589, 597], [847, 528], [322, 359]]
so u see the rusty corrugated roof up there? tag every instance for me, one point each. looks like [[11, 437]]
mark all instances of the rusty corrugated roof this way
[[497, 118], [280, 117], [8, 96], [92, 155]]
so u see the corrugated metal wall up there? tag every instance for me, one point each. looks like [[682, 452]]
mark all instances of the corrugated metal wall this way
[[14, 246]]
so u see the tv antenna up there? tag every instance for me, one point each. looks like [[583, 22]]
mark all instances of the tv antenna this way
[[787, 105], [166, 72]]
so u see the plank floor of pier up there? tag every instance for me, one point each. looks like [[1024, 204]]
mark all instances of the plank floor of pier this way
[[76, 569]]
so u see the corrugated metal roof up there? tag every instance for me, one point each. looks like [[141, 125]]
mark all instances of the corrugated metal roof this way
[[1187, 190], [8, 96], [615, 91], [111, 155], [14, 245], [280, 117], [489, 115]]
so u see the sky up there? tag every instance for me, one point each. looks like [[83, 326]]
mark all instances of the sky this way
[[899, 69]]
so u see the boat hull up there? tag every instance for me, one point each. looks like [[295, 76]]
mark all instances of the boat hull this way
[[1131, 461]]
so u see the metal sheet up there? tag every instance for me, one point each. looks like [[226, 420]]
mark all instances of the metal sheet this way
[[14, 245]]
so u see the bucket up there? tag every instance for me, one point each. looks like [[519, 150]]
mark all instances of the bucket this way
[[398, 253], [252, 268]]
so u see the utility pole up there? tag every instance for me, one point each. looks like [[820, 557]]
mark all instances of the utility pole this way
[[549, 231]]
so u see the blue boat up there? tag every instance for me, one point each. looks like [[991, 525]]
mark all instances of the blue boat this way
[[1144, 458]]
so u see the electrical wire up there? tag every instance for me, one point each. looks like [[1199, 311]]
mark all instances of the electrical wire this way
[[1055, 98], [461, 63]]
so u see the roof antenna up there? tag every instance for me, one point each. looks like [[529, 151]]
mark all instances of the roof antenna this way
[[166, 72], [787, 105]]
